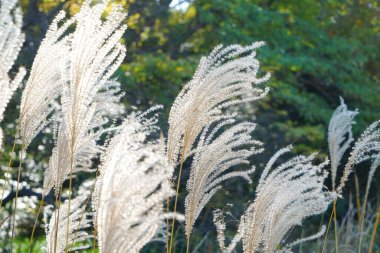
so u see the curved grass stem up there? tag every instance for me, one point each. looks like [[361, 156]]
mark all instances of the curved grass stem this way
[[17, 191], [35, 223], [336, 229], [58, 200], [69, 205], [79, 223], [167, 225], [327, 230], [374, 231], [188, 244], [175, 202]]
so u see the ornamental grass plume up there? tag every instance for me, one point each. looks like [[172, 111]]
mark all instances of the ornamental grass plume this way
[[89, 96], [11, 40], [375, 164], [215, 160], [366, 147], [226, 77], [44, 85], [285, 196], [55, 227], [340, 136], [133, 185]]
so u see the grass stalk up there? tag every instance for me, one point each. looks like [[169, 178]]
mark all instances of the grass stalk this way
[[80, 220], [374, 231], [336, 228], [176, 201], [58, 200], [69, 204], [320, 225], [95, 235], [17, 191], [35, 223], [167, 225], [327, 230], [357, 192], [188, 244]]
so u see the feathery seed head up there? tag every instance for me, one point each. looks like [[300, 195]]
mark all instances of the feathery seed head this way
[[340, 136], [80, 220], [133, 185], [365, 148], [226, 77], [11, 40], [89, 97], [285, 196], [214, 158]]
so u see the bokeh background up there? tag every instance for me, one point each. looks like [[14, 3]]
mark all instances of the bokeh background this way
[[316, 51]]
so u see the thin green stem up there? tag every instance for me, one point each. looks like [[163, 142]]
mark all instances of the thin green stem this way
[[327, 230], [167, 225], [357, 192], [17, 190], [69, 204], [35, 223], [336, 229], [58, 201], [175, 203], [95, 234], [320, 225], [188, 244], [80, 221], [374, 231]]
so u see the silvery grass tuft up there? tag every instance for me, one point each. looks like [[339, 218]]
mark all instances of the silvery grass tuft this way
[[80, 220], [285, 196], [11, 40], [44, 85], [88, 96], [367, 147], [132, 188], [215, 158], [340, 136], [226, 77], [375, 164]]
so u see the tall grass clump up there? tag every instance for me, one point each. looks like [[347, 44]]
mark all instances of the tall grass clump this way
[[226, 78], [80, 220], [132, 187], [212, 162], [88, 53], [285, 196], [11, 40], [70, 88]]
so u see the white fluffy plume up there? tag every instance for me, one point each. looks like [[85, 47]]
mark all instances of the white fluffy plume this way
[[226, 77], [80, 220], [132, 188], [11, 40], [214, 161], [285, 196], [340, 136], [365, 148], [45, 82], [89, 97]]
